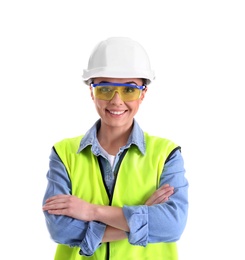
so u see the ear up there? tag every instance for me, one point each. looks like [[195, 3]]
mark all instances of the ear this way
[[143, 94], [91, 93]]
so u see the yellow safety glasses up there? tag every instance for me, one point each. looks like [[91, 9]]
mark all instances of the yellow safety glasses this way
[[127, 92]]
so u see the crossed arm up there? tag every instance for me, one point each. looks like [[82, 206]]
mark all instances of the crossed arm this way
[[159, 220], [113, 217]]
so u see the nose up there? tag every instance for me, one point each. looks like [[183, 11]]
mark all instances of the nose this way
[[116, 99]]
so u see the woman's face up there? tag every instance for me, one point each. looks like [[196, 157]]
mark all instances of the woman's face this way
[[116, 112]]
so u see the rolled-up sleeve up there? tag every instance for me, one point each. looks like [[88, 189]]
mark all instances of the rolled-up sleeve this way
[[93, 238], [137, 218]]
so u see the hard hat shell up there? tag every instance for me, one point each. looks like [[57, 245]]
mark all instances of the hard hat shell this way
[[118, 57]]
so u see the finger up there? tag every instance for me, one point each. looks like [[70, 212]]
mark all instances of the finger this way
[[58, 203], [162, 198], [158, 200], [165, 187], [57, 211], [162, 191], [158, 197], [55, 206]]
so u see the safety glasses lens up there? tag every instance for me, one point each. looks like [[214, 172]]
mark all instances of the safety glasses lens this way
[[127, 92]]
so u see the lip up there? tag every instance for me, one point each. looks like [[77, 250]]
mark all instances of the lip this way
[[116, 112]]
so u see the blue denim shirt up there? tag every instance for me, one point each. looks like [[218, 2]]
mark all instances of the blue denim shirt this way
[[147, 224]]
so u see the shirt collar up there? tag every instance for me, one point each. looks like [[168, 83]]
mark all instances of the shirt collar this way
[[90, 138]]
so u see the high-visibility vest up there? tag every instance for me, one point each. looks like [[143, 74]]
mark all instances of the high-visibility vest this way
[[137, 178]]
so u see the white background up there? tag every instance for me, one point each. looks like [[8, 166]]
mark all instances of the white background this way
[[197, 51]]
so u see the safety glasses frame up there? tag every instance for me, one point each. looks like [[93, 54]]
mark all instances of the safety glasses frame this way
[[125, 98], [118, 85]]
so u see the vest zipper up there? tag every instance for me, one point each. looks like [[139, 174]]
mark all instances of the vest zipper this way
[[111, 196]]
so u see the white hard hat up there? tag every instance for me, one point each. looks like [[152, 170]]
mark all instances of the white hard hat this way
[[118, 57]]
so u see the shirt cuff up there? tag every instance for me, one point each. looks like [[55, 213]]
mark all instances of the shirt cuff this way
[[92, 239], [137, 219]]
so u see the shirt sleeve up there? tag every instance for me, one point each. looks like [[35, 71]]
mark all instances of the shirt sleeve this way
[[162, 222], [64, 229]]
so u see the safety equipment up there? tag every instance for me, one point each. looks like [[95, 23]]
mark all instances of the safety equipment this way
[[145, 173], [119, 57], [127, 92]]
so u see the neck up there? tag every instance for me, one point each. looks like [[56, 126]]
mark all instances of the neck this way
[[112, 138]]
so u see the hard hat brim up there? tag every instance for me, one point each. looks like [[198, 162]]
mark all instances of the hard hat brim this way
[[88, 75]]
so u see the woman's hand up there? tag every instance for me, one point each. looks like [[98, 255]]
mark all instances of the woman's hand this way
[[161, 195], [71, 206]]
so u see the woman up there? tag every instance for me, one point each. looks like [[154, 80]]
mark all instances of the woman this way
[[116, 192]]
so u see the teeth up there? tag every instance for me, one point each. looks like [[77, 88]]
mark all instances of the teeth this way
[[116, 112]]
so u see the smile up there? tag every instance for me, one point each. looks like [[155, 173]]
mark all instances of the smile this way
[[116, 112]]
